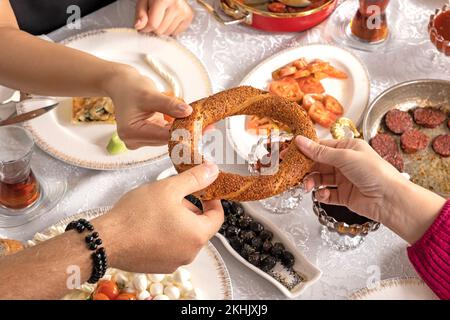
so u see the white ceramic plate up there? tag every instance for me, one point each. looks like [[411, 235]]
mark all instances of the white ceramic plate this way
[[353, 93], [208, 271], [85, 145], [303, 266], [397, 289]]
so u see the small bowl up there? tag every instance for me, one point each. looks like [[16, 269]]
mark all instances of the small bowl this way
[[441, 44]]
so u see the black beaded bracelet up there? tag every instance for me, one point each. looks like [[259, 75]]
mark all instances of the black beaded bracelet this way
[[100, 261]]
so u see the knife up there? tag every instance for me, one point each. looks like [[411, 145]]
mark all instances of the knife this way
[[28, 115]]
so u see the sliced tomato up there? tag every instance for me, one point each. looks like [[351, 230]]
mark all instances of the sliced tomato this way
[[300, 63], [320, 75], [311, 98], [108, 288], [310, 85], [276, 7], [168, 118], [335, 73], [301, 74], [100, 296], [126, 296], [320, 115], [286, 88], [317, 66], [332, 105]]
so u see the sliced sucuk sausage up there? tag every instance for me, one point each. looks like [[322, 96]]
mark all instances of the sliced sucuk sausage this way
[[398, 121], [384, 144], [429, 117], [441, 145], [413, 141], [396, 160], [387, 148]]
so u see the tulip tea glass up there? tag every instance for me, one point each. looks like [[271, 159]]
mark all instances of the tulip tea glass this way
[[23, 196], [342, 229], [363, 25]]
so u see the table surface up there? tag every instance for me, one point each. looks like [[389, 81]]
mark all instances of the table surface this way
[[229, 53]]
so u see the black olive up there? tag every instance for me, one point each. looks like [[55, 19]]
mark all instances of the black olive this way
[[287, 259], [254, 259], [244, 222], [236, 243], [237, 209], [223, 228], [226, 205], [257, 243], [247, 236], [277, 250], [246, 251], [267, 246], [232, 220], [232, 232], [195, 201], [268, 263], [256, 227], [266, 235]]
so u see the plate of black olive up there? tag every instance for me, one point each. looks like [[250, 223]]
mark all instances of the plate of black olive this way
[[257, 243]]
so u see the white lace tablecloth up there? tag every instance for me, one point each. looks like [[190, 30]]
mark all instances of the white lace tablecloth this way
[[229, 53]]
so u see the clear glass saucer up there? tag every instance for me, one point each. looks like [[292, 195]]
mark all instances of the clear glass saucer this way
[[51, 193]]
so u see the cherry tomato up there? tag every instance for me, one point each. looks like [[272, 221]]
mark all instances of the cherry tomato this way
[[287, 88], [108, 288], [126, 296], [320, 115], [310, 85], [277, 7], [335, 73], [331, 104], [100, 296]]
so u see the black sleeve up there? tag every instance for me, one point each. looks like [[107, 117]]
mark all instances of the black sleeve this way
[[43, 16]]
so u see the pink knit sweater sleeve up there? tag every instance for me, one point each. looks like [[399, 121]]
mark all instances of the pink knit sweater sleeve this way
[[430, 255]]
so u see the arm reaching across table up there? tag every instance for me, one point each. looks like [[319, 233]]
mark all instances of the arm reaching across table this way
[[370, 186], [36, 66], [152, 229]]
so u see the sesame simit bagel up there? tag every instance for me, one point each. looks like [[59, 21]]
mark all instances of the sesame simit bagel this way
[[246, 100]]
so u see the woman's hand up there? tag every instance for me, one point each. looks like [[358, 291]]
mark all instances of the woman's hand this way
[[163, 17], [140, 108], [153, 229], [370, 186]]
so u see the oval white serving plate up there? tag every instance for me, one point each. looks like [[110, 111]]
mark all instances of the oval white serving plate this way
[[353, 93], [302, 265]]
